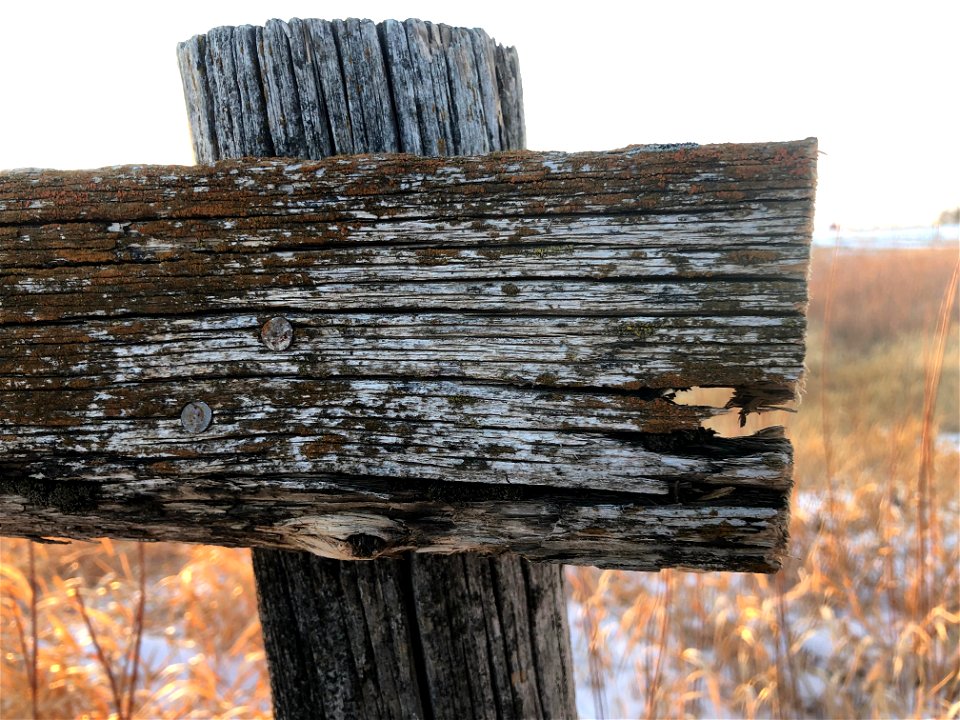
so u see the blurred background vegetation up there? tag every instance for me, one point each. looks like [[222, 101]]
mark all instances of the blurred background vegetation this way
[[863, 620]]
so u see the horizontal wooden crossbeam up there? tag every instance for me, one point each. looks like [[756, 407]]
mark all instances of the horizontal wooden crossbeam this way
[[366, 355]]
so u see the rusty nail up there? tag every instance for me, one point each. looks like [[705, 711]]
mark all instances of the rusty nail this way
[[196, 416], [277, 333]]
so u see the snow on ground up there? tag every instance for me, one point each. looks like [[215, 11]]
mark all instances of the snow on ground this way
[[821, 641]]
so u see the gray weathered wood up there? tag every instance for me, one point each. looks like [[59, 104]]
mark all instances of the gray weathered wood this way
[[484, 359], [395, 266], [362, 651], [493, 359]]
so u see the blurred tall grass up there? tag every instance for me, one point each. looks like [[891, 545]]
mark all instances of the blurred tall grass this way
[[863, 620], [856, 624]]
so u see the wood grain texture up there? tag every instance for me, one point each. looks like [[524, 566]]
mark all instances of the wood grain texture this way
[[475, 371], [399, 266], [513, 321], [510, 320], [376, 639]]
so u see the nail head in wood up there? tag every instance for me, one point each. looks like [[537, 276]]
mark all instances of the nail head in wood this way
[[277, 333], [196, 416]]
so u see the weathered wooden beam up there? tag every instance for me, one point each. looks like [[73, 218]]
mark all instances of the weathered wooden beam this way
[[424, 635], [482, 352]]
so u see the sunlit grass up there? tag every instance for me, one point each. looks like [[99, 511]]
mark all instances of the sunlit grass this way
[[201, 654], [845, 630]]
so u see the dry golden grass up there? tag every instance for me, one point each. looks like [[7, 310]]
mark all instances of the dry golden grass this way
[[864, 618], [201, 654], [863, 621]]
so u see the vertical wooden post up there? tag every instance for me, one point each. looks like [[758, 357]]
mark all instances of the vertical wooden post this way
[[457, 636]]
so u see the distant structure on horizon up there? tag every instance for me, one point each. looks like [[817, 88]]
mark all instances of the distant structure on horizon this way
[[950, 217], [889, 238]]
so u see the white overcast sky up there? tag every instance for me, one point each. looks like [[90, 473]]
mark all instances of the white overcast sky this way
[[88, 84]]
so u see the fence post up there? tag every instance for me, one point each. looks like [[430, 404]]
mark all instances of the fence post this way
[[429, 636]]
